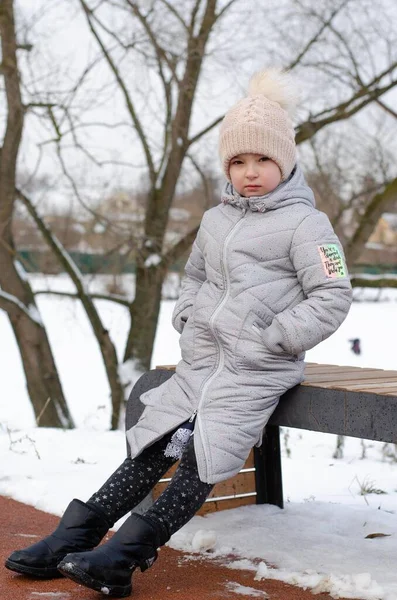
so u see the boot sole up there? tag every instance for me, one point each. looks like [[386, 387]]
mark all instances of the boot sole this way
[[39, 572], [68, 569]]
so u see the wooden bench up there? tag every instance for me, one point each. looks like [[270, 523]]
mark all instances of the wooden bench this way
[[352, 401]]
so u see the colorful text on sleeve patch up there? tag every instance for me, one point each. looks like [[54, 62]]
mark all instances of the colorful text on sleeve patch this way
[[333, 261]]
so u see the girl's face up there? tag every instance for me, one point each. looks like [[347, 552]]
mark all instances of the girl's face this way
[[254, 174]]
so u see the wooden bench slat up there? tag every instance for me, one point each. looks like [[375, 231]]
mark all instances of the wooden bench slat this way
[[326, 371], [319, 368], [243, 483], [371, 387], [337, 371], [357, 386], [212, 506], [374, 376]]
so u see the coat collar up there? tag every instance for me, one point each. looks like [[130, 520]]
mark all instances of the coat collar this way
[[294, 189]]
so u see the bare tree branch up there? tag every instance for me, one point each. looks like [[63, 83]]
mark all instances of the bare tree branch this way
[[203, 179], [180, 248], [110, 297], [160, 52], [368, 191], [195, 56], [131, 109], [225, 9], [176, 14], [317, 35], [361, 98], [101, 218], [204, 131], [6, 298], [387, 108], [193, 16], [28, 47], [161, 56]]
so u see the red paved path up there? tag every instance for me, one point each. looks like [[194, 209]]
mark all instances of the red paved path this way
[[173, 577]]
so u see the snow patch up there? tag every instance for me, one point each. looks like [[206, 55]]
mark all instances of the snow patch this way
[[32, 314], [246, 591], [35, 315], [204, 540], [60, 595], [129, 373], [79, 227], [358, 585], [244, 564], [72, 265], [20, 270], [152, 260], [105, 590], [99, 228], [179, 214]]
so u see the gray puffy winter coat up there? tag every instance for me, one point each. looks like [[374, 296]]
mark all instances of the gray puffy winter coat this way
[[266, 280]]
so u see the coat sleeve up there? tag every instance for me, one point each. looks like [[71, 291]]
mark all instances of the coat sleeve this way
[[192, 282], [318, 259]]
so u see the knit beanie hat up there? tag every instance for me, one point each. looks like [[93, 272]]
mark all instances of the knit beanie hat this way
[[260, 123]]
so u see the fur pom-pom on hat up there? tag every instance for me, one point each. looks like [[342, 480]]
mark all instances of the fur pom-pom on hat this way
[[261, 124], [276, 85]]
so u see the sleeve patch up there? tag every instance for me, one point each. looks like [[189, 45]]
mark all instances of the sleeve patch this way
[[332, 260]]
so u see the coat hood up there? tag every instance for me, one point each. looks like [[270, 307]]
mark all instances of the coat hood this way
[[294, 190]]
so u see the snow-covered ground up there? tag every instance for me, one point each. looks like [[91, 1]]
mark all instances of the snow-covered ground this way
[[318, 541]]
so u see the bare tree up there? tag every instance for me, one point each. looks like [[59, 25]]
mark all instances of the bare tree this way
[[16, 296]]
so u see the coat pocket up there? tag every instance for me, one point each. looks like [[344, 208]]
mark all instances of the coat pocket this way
[[186, 341], [250, 352]]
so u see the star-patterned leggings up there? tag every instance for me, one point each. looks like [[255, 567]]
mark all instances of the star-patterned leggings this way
[[135, 478]]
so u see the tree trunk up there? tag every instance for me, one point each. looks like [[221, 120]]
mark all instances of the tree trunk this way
[[42, 379], [43, 383], [378, 205], [144, 316], [108, 351]]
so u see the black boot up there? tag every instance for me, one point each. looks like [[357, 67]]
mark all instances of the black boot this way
[[108, 569], [80, 528]]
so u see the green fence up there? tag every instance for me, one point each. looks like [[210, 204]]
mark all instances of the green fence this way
[[36, 261]]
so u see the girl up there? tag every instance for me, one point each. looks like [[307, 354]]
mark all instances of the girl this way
[[266, 281]]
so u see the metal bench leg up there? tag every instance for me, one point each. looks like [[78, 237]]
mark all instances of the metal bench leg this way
[[268, 475]]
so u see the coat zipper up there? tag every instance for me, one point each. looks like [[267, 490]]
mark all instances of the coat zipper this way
[[212, 321]]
